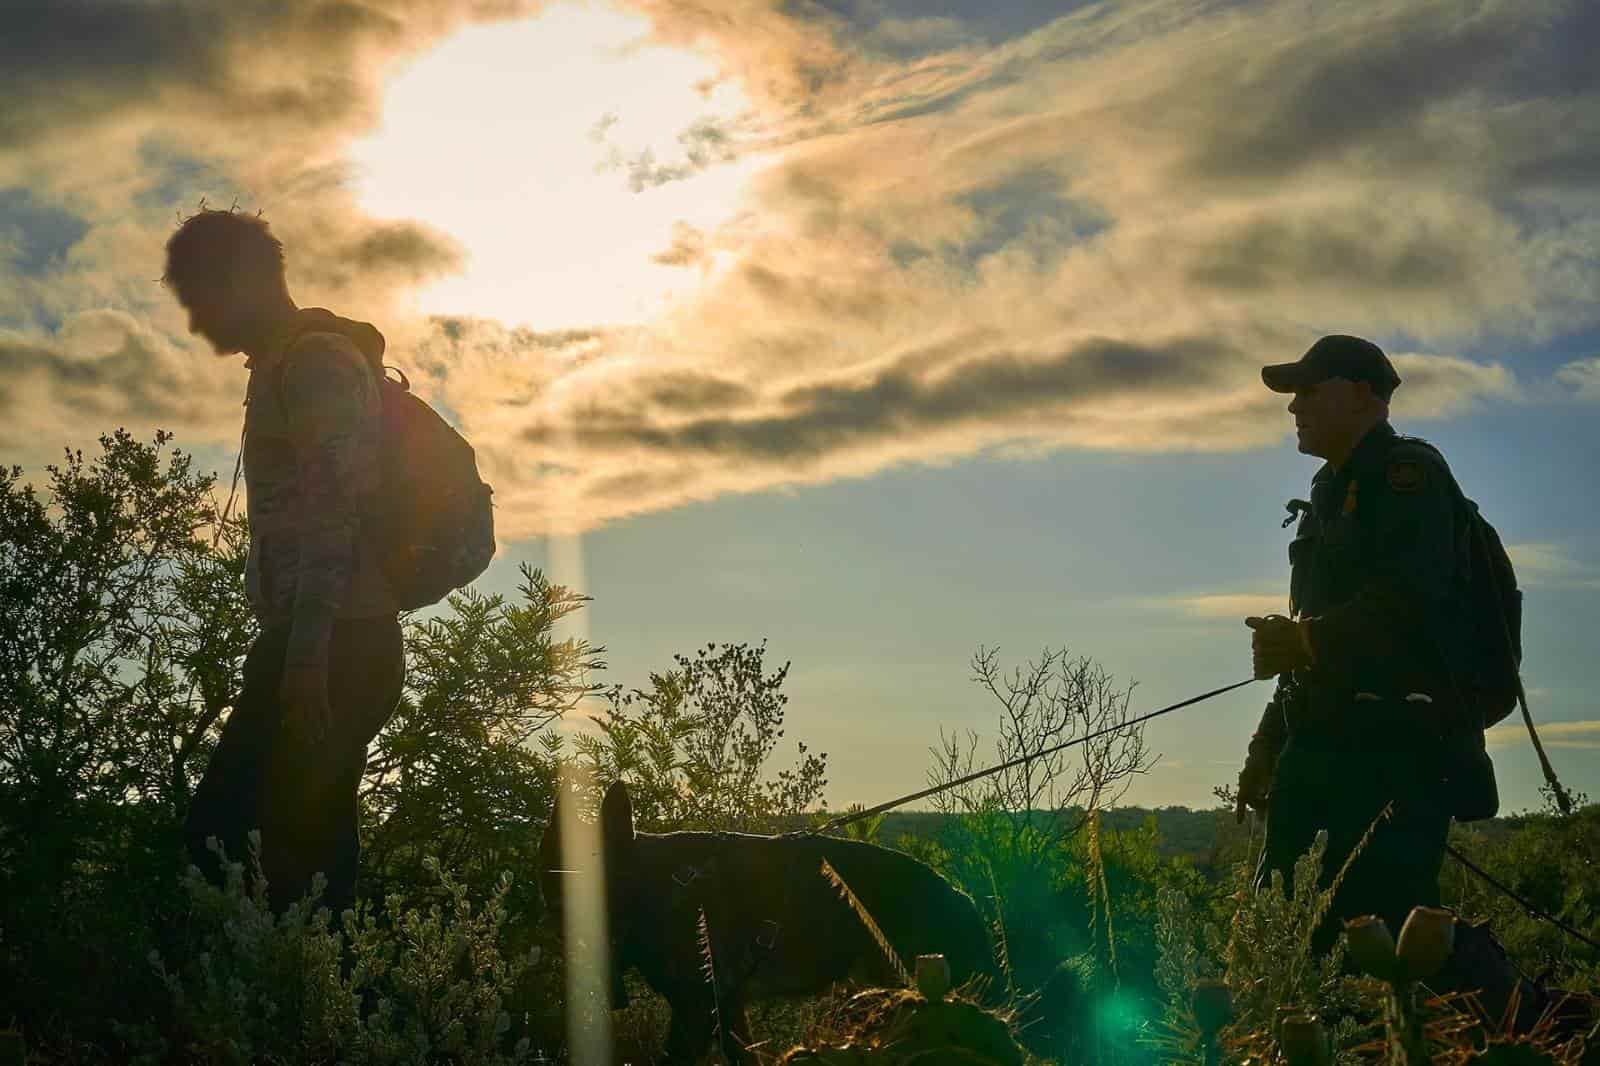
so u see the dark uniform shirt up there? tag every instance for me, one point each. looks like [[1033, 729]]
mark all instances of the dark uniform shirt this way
[[1376, 570]]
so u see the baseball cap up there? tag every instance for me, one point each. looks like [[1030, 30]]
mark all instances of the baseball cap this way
[[1335, 356]]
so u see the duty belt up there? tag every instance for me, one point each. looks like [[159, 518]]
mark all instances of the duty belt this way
[[1353, 715]]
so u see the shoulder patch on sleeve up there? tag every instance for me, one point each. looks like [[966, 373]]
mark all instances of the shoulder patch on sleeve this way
[[1407, 475]]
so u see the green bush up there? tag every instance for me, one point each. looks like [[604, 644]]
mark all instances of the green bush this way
[[1259, 943], [1551, 860], [424, 985], [695, 747]]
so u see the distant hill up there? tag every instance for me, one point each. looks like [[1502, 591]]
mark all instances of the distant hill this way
[[1182, 830]]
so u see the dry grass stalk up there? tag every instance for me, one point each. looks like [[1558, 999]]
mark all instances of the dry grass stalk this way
[[1103, 890], [867, 920], [1002, 946], [709, 964]]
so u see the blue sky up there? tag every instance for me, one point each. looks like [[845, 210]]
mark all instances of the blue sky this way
[[879, 330], [879, 590]]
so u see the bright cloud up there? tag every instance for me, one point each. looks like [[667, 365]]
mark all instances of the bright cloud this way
[[722, 248], [568, 155]]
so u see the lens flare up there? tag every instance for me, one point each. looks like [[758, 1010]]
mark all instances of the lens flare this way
[[584, 927]]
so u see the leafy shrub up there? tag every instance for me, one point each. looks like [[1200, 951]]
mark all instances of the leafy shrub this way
[[694, 747], [1551, 860], [464, 770], [425, 985], [1260, 944]]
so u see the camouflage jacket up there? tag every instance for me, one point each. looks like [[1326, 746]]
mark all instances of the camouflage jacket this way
[[311, 453]]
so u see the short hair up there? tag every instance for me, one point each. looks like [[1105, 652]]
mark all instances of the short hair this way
[[210, 242]]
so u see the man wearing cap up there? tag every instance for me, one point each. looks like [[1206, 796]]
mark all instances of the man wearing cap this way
[[1377, 602], [1358, 734]]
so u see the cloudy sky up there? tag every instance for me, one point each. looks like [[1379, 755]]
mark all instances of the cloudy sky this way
[[880, 329]]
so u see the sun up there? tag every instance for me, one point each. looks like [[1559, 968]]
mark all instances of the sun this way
[[567, 154]]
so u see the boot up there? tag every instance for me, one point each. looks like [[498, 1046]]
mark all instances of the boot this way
[[1481, 966]]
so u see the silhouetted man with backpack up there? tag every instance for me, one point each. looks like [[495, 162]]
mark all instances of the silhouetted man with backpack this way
[[326, 670], [1401, 648]]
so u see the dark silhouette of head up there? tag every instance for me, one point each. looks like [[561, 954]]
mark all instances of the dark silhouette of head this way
[[226, 270], [1341, 388]]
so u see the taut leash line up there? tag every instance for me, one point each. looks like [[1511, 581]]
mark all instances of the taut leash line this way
[[1533, 909], [856, 816]]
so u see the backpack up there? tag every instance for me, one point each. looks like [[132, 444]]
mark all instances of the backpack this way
[[1492, 685], [433, 520], [1491, 672], [1488, 682], [1496, 603]]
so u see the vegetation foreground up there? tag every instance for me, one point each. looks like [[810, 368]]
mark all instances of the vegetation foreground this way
[[123, 628]]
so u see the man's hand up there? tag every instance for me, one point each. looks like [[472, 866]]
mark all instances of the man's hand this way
[[304, 696], [1255, 782], [1277, 645]]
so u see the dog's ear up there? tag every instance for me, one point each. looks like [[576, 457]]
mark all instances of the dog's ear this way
[[549, 861], [616, 816], [550, 843]]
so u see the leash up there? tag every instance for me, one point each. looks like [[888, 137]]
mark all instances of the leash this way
[[233, 491], [855, 816], [1532, 908]]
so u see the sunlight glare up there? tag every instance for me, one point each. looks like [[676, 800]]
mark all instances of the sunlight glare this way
[[586, 937], [516, 140]]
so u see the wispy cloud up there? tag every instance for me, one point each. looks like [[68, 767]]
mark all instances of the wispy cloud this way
[[1234, 606], [1088, 236], [1438, 386], [1580, 735], [1582, 376], [1538, 565], [104, 369], [1549, 565]]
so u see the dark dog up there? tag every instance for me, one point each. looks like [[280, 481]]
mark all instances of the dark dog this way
[[775, 924]]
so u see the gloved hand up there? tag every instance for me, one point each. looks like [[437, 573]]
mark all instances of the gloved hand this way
[[1277, 645], [1255, 780]]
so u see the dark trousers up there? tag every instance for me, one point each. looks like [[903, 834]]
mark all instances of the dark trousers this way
[[301, 796], [1342, 789]]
